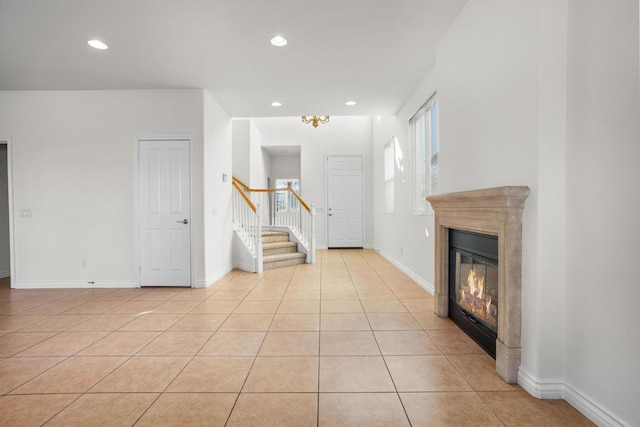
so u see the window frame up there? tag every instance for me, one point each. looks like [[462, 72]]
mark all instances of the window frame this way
[[389, 175], [424, 138]]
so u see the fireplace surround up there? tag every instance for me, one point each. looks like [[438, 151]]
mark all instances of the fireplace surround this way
[[496, 212]]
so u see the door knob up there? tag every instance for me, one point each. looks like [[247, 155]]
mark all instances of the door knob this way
[[184, 221]]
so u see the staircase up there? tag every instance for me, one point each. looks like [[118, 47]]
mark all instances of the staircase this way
[[278, 251]]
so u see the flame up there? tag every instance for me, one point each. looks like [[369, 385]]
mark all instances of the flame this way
[[476, 301], [475, 283], [471, 281]]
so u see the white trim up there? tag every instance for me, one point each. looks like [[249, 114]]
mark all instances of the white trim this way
[[589, 409], [433, 100], [136, 198], [548, 389], [250, 268], [558, 389], [326, 197], [413, 276], [214, 277], [12, 243], [5, 273], [391, 146], [75, 285]]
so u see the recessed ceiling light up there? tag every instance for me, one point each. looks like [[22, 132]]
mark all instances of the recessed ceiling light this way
[[350, 103], [276, 104], [278, 41], [97, 44]]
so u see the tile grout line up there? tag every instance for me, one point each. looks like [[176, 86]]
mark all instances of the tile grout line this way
[[186, 364], [319, 347], [385, 360], [235, 402], [130, 357], [259, 348]]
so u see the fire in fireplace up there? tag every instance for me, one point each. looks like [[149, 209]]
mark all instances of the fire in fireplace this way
[[473, 286]]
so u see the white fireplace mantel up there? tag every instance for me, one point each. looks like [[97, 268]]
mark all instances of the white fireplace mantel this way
[[498, 212]]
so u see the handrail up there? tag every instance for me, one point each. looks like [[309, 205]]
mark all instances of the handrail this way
[[248, 209], [244, 196], [240, 183], [271, 190]]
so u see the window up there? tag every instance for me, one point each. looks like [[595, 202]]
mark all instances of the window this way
[[424, 130], [285, 201], [389, 174]]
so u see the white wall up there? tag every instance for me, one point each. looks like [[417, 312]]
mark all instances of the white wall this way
[[545, 94], [241, 149], [73, 162], [342, 135], [603, 151], [258, 169], [285, 167], [217, 193], [488, 82], [400, 236]]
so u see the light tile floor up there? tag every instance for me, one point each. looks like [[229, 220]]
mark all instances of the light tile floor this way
[[347, 341]]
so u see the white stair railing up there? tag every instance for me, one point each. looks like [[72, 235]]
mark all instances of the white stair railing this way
[[297, 216], [283, 208], [247, 223]]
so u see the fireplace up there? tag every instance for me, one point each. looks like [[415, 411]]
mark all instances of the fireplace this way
[[493, 212], [473, 286]]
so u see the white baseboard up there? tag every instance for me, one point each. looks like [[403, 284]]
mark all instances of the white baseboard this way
[[419, 280], [5, 273], [213, 278], [548, 389], [558, 389], [73, 285], [244, 267]]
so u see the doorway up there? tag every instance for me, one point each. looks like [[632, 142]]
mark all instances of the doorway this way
[[164, 191], [345, 202], [6, 269]]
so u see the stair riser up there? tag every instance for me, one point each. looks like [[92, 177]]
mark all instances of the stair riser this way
[[275, 251], [272, 239], [283, 263]]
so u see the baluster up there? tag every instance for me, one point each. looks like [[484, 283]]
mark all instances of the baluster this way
[[258, 239]]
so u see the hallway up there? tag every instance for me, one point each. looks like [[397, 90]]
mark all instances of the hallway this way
[[348, 341]]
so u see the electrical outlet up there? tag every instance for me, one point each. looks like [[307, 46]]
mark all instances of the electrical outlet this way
[[84, 263]]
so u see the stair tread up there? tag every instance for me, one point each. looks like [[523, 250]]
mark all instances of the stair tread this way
[[280, 257], [274, 236]]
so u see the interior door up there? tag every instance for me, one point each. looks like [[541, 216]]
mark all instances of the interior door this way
[[345, 213], [165, 216]]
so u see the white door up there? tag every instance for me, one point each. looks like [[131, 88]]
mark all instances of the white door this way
[[344, 202], [165, 217]]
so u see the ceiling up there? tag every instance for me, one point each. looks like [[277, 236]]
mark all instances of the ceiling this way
[[375, 52]]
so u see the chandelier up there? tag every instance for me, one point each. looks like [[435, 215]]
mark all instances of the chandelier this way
[[315, 120]]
